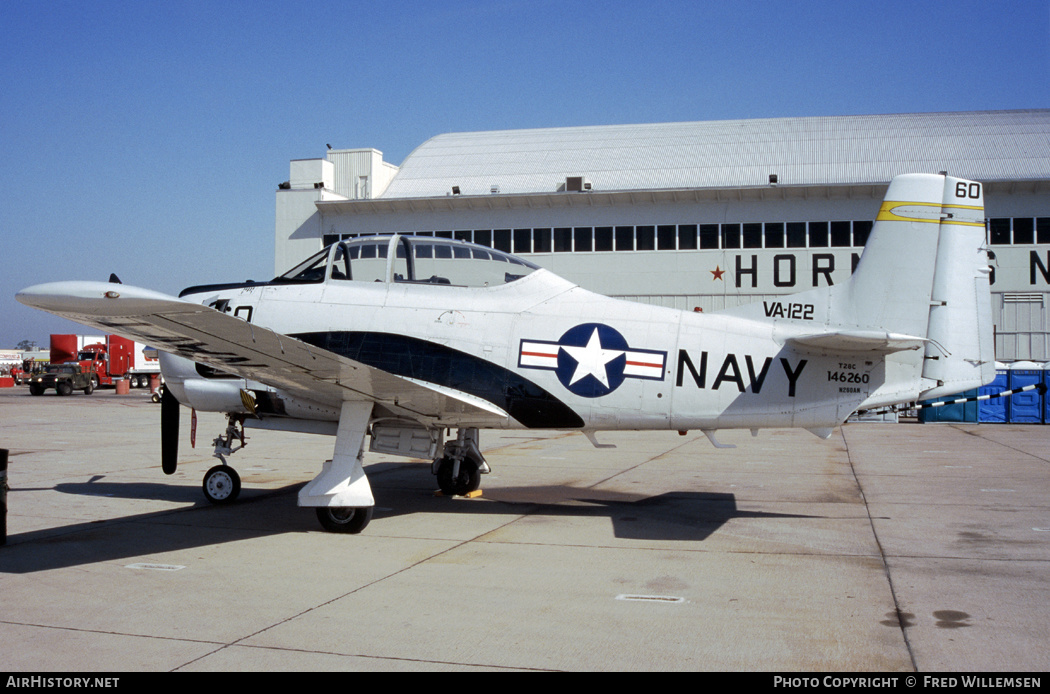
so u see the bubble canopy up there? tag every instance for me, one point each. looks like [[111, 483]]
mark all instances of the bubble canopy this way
[[409, 259]]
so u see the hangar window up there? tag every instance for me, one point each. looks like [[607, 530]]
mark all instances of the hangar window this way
[[562, 240], [1024, 230], [708, 236], [603, 238], [861, 231], [523, 240], [501, 240], [752, 235], [840, 235], [687, 237], [541, 241], [1000, 230], [774, 233], [666, 237], [625, 238], [818, 234], [645, 238], [730, 236], [669, 237], [583, 239], [1042, 230]]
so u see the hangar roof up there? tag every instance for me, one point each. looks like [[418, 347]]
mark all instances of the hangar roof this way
[[989, 146]]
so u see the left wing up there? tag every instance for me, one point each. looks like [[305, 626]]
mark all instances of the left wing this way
[[211, 337]]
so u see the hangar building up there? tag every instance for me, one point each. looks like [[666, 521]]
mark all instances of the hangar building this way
[[695, 215]]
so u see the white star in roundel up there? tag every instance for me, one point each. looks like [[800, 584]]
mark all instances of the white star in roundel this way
[[591, 360]]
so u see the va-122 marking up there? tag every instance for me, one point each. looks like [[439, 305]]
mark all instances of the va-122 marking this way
[[776, 309]]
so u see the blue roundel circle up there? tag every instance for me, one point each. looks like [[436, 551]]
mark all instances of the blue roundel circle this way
[[591, 360]]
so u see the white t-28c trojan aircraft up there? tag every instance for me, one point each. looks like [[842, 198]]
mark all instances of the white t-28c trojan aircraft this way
[[404, 337]]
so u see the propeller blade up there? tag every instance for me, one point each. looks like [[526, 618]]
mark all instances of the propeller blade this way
[[169, 432]]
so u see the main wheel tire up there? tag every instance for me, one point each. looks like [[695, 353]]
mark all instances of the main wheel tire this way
[[35, 389], [89, 389], [222, 484], [63, 388], [344, 519], [467, 481]]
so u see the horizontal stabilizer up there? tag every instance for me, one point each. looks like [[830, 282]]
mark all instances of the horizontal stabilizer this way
[[856, 342]]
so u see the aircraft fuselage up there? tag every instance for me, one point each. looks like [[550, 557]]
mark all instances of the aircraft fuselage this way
[[613, 364]]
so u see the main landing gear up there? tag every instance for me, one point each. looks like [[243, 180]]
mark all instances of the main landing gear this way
[[461, 465], [343, 519], [341, 495]]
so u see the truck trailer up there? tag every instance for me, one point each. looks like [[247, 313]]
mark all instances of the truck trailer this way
[[107, 358]]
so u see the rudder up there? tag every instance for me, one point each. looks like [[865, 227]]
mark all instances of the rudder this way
[[960, 352]]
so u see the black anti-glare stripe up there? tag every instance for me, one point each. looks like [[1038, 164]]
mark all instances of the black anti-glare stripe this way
[[434, 363]]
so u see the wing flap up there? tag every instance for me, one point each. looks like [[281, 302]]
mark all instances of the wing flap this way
[[208, 336]]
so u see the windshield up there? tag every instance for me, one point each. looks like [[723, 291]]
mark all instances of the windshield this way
[[415, 259], [310, 270]]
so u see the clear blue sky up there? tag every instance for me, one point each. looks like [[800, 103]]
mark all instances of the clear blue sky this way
[[148, 138]]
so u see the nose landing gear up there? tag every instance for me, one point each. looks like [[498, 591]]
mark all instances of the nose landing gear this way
[[222, 484]]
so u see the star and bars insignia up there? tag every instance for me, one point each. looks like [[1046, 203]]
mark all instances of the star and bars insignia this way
[[592, 359]]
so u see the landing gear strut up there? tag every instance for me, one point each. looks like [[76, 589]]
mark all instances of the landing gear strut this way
[[222, 484], [341, 494]]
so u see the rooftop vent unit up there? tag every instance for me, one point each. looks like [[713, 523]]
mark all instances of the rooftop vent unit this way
[[576, 184]]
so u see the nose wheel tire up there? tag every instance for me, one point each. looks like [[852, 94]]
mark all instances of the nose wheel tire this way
[[222, 484], [344, 519]]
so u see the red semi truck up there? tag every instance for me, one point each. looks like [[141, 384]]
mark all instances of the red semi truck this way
[[107, 358]]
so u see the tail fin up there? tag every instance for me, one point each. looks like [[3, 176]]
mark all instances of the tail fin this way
[[897, 288], [920, 294]]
